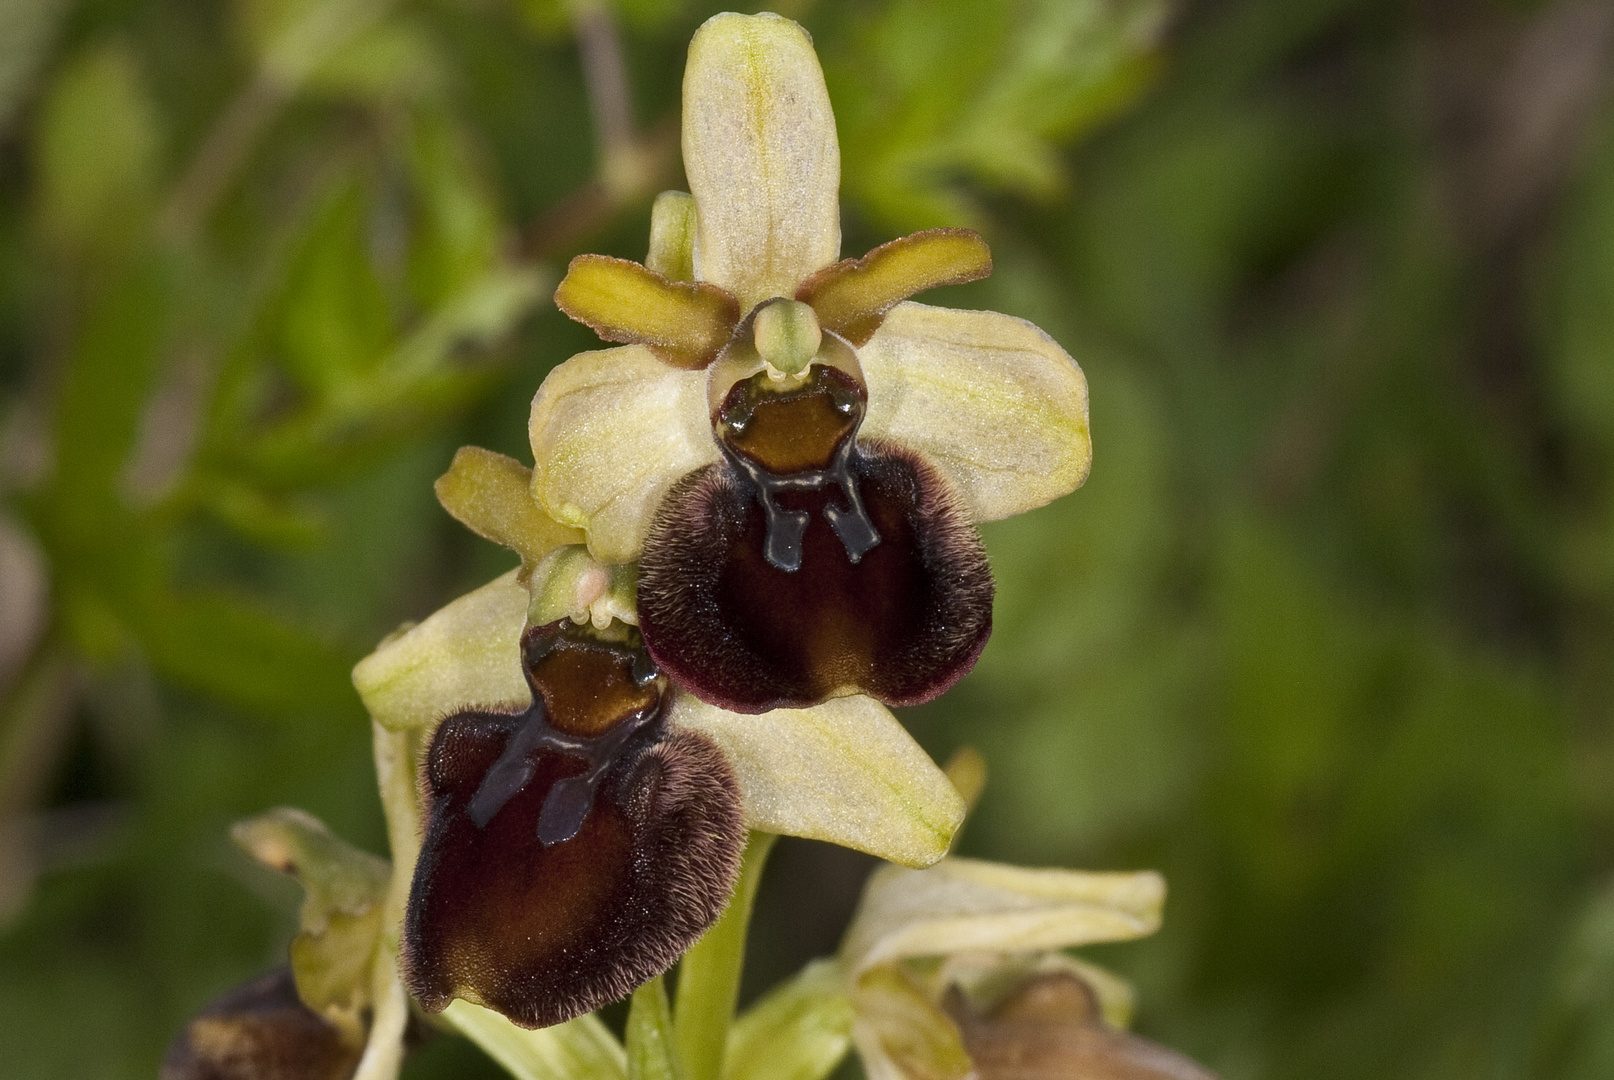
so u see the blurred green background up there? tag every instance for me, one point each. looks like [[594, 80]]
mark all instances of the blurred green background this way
[[1328, 638]]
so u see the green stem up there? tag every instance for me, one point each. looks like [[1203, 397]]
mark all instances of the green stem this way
[[709, 976], [396, 755]]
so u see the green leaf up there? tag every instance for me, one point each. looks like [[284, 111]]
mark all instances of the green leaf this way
[[335, 320], [1070, 66], [257, 514], [938, 89], [26, 31], [96, 152], [458, 227], [231, 648], [484, 309], [1575, 1037], [393, 61], [110, 372]]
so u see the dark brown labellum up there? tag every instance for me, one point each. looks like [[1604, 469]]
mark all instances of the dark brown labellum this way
[[901, 619], [572, 850], [260, 1031]]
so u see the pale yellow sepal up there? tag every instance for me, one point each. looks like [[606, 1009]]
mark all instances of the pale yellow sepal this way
[[964, 904], [466, 654], [491, 495], [845, 771], [989, 399], [761, 155], [612, 431]]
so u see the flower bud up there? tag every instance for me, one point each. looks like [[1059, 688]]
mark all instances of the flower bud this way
[[1050, 1028], [260, 1031]]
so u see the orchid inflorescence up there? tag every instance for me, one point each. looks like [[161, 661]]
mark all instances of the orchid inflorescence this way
[[748, 529]]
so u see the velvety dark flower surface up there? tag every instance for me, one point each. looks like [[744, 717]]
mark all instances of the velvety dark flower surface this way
[[572, 850], [260, 1031], [902, 623]]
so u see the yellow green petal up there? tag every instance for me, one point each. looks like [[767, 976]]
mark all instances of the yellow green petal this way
[[990, 400], [491, 495], [672, 236], [845, 771], [687, 322], [853, 296], [761, 155], [612, 431], [340, 923]]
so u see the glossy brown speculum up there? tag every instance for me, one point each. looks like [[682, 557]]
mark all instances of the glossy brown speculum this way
[[795, 430], [799, 441], [569, 855], [588, 685]]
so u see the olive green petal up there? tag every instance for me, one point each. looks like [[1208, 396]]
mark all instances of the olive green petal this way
[[491, 495], [686, 322], [853, 296]]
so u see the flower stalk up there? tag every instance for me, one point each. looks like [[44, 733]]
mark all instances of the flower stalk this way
[[709, 975]]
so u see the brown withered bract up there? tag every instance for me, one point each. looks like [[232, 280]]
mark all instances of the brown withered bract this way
[[260, 1031], [806, 563], [572, 850], [1050, 1028]]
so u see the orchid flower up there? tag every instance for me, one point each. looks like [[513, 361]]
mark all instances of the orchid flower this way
[[792, 450], [543, 891]]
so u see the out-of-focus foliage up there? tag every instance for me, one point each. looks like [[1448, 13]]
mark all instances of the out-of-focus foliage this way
[[1328, 638]]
